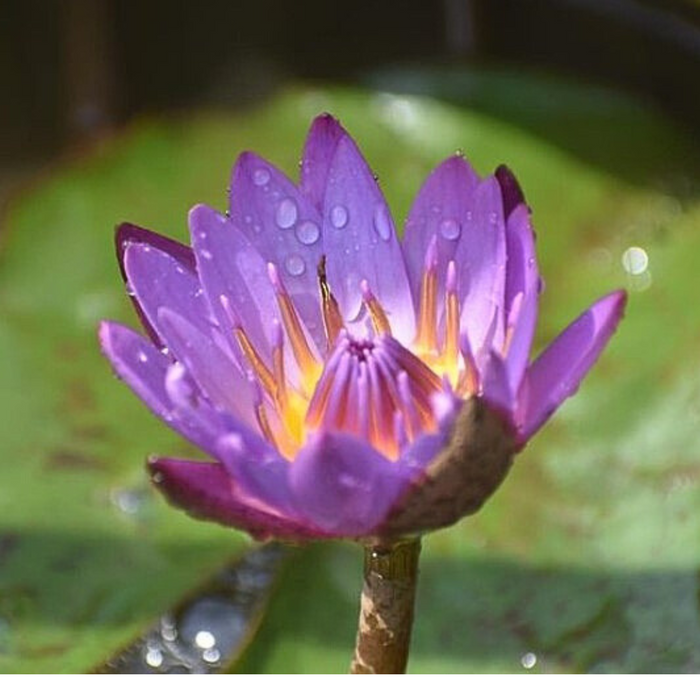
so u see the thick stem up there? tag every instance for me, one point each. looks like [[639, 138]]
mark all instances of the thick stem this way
[[386, 607]]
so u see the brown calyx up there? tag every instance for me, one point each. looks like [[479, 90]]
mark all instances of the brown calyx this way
[[461, 478]]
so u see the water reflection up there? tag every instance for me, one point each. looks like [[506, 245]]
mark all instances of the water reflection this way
[[206, 632]]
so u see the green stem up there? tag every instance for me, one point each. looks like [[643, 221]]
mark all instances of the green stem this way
[[386, 607]]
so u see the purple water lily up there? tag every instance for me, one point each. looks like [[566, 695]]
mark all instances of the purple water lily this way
[[346, 383]]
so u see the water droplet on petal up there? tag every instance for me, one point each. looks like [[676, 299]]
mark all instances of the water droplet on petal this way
[[206, 254], [261, 176], [286, 215], [382, 222], [493, 218], [450, 229], [154, 658], [339, 216], [295, 265], [142, 356], [308, 232], [204, 639]]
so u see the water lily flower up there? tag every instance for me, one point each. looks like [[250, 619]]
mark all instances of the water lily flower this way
[[343, 382]]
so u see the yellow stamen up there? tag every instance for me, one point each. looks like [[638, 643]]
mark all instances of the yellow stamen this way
[[310, 369], [380, 322], [259, 367], [278, 373], [452, 328], [427, 320], [332, 318]]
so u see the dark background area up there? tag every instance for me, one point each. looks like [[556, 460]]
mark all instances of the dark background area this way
[[71, 68]]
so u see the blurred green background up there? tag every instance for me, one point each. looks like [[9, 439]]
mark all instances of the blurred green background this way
[[586, 560]]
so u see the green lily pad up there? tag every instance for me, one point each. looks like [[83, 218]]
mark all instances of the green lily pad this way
[[587, 555]]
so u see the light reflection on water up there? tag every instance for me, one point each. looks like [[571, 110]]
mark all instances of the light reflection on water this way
[[207, 631]]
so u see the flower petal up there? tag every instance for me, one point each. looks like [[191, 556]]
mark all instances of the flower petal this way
[[361, 244], [144, 368], [230, 267], [440, 210], [285, 228], [212, 369], [481, 265], [261, 472], [510, 188], [343, 485], [319, 149], [207, 491], [521, 293], [159, 280], [129, 233], [557, 372], [497, 389]]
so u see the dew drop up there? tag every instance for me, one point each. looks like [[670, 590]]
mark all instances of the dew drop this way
[[308, 232], [142, 356], [154, 658], [261, 176], [211, 656], [295, 265], [286, 215], [206, 254], [450, 229], [382, 223], [528, 660], [204, 639], [493, 218], [339, 216]]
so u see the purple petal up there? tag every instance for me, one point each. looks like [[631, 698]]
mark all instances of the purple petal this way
[[522, 291], [144, 368], [213, 370], [440, 210], [481, 265], [512, 193], [285, 228], [159, 280], [343, 485], [264, 477], [360, 243], [207, 491], [319, 149], [497, 389], [557, 372], [129, 233], [231, 268]]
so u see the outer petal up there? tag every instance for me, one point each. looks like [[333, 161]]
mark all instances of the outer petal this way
[[557, 372], [158, 280], [230, 266], [262, 473], [440, 210], [512, 193], [143, 367], [343, 485], [284, 227], [497, 389], [360, 241], [207, 491], [213, 370], [481, 265], [521, 293], [129, 233], [319, 149]]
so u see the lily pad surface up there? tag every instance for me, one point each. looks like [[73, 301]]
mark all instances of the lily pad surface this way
[[585, 560]]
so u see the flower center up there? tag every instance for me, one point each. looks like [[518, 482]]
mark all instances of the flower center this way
[[370, 387]]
